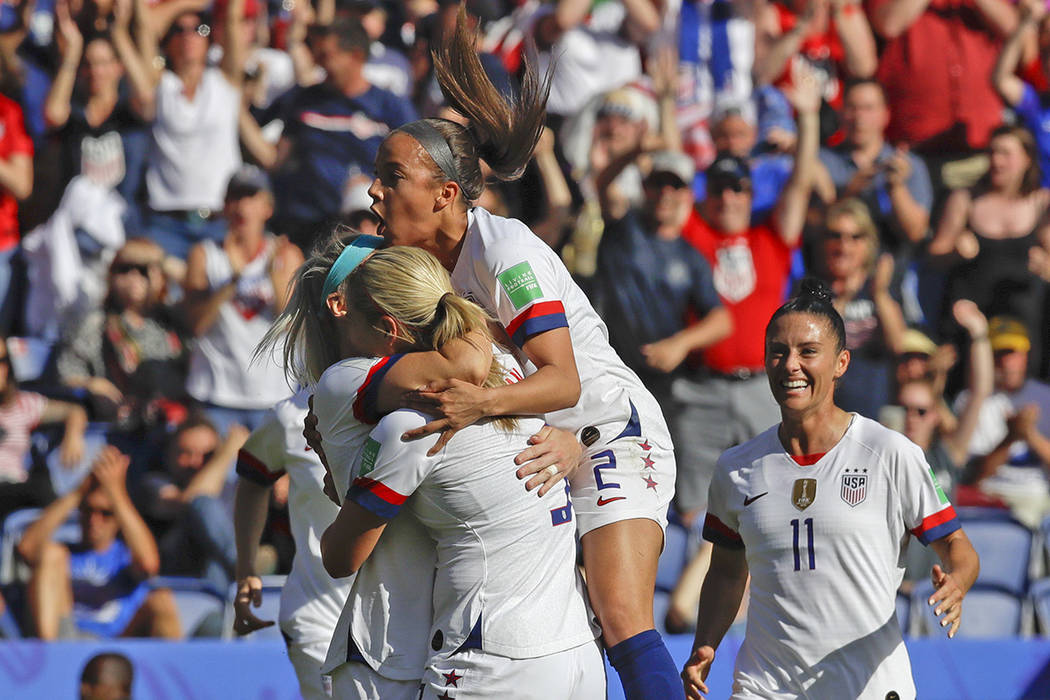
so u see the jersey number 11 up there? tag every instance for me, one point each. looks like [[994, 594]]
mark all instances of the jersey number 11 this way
[[808, 522]]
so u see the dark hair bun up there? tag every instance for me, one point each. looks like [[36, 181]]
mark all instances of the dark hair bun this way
[[816, 289]]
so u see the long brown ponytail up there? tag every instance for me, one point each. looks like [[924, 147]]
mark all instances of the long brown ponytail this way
[[503, 129]]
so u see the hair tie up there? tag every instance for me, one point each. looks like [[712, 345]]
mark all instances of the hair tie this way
[[353, 254], [435, 145]]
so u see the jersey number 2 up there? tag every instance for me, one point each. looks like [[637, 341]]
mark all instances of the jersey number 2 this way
[[808, 522]]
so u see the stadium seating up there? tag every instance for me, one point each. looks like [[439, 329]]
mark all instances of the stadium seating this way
[[989, 612], [15, 524], [201, 606], [1039, 595], [271, 604], [1005, 548]]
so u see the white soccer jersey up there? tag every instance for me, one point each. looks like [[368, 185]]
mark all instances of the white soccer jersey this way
[[506, 580], [344, 401], [389, 639], [825, 545], [505, 268], [310, 600], [517, 278]]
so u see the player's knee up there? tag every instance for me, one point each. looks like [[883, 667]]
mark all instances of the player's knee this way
[[621, 619]]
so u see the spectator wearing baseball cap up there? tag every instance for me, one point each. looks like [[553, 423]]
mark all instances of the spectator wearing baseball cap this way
[[726, 400], [735, 132], [654, 290], [1011, 447], [233, 293]]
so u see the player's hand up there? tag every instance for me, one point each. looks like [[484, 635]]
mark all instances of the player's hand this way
[[551, 447], [694, 675], [329, 488], [249, 594], [460, 403], [312, 435], [947, 598]]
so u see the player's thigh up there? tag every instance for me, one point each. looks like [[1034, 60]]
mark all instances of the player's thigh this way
[[476, 675], [307, 659], [357, 681], [630, 477]]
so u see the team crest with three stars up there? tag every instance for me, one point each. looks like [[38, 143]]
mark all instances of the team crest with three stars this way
[[854, 487]]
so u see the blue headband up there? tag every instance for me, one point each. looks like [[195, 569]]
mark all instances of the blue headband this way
[[352, 256]]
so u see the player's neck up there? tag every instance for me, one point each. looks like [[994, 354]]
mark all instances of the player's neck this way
[[813, 432]]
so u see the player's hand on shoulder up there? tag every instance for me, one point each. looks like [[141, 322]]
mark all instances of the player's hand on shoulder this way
[[694, 675]]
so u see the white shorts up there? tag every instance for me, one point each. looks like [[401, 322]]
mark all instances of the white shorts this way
[[355, 680], [628, 473], [307, 658], [574, 674]]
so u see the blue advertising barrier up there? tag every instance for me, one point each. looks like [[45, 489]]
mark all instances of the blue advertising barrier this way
[[959, 669]]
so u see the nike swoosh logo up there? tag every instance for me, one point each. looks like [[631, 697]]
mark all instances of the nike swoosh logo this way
[[749, 501], [605, 501]]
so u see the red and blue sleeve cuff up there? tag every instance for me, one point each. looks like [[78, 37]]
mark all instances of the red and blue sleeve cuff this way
[[936, 526], [366, 404], [721, 534], [541, 316], [375, 497], [252, 468]]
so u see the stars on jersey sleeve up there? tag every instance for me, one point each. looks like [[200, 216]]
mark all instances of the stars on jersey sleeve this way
[[452, 679]]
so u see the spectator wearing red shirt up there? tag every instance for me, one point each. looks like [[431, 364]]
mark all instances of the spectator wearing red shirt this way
[[935, 67], [834, 37], [728, 400], [16, 182]]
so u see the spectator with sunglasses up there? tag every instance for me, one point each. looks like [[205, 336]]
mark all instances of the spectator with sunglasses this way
[[728, 401], [946, 446], [195, 111], [1010, 447], [848, 260], [129, 356], [653, 283], [97, 587]]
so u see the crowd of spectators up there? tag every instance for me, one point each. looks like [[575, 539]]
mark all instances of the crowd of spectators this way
[[164, 165]]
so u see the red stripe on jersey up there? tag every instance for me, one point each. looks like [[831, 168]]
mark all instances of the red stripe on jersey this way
[[808, 460], [359, 408], [543, 308], [715, 524], [931, 521], [379, 490]]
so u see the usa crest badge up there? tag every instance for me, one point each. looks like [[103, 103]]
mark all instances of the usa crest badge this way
[[854, 487], [803, 493]]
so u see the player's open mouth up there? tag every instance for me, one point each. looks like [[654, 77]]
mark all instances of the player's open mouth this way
[[795, 385], [381, 227]]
